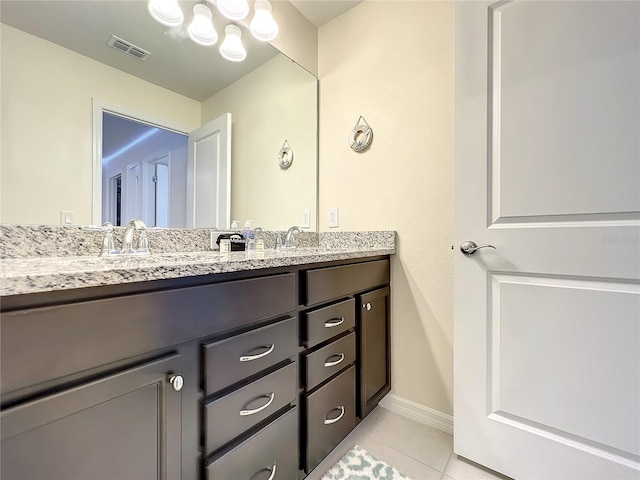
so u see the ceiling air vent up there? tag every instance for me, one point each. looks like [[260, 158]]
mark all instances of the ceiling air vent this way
[[128, 48]]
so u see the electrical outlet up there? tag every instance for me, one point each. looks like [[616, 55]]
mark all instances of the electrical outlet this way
[[333, 218], [67, 217], [306, 219]]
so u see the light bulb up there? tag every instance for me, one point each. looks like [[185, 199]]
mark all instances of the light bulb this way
[[201, 29], [167, 12], [232, 48], [263, 26], [234, 9]]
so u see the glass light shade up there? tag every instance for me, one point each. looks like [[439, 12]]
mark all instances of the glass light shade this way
[[166, 12], [232, 48], [201, 29], [263, 26], [234, 9]]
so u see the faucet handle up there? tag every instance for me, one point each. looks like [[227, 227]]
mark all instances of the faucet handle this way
[[108, 242], [143, 244]]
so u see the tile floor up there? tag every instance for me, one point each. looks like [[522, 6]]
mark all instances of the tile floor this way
[[418, 451]]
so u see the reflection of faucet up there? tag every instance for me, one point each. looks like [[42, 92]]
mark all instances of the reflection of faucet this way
[[289, 240], [127, 239]]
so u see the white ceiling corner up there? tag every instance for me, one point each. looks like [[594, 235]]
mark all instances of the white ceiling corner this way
[[320, 12]]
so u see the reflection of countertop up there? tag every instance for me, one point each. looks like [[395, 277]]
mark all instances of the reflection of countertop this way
[[41, 274]]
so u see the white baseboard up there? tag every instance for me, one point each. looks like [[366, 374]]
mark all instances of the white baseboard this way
[[418, 413]]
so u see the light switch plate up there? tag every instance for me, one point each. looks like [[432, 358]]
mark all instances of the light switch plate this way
[[333, 218], [306, 219]]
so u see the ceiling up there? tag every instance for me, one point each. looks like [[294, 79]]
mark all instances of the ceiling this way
[[320, 12]]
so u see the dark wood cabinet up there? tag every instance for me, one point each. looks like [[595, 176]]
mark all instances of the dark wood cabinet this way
[[123, 426], [374, 369], [278, 365], [345, 328]]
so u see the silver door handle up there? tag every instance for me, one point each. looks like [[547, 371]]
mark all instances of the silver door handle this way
[[334, 322], [270, 396], [249, 358], [272, 470], [469, 247], [334, 420], [333, 363]]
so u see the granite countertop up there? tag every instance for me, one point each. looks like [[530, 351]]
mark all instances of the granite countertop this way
[[41, 274]]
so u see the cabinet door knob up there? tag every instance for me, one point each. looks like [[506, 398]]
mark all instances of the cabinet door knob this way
[[367, 306], [176, 382]]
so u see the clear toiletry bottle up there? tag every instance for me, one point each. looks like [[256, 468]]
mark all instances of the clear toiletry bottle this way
[[249, 236], [234, 226]]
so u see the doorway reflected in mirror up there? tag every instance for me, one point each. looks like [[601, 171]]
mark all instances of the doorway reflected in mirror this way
[[144, 171]]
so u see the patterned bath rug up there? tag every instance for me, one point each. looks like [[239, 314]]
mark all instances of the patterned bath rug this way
[[358, 464]]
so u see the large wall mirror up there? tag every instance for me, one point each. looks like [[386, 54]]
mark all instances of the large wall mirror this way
[[60, 77]]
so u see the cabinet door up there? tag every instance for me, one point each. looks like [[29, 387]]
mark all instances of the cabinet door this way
[[374, 355], [124, 426]]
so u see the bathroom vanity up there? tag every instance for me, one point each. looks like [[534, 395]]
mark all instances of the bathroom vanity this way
[[240, 373]]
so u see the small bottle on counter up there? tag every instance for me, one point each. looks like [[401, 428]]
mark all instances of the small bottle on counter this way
[[249, 235], [234, 226]]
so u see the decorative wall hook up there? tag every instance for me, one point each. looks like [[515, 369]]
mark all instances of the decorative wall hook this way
[[361, 135], [285, 156]]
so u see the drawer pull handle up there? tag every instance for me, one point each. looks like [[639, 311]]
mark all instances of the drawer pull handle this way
[[248, 358], [328, 421], [327, 363], [334, 322], [272, 470], [270, 396]]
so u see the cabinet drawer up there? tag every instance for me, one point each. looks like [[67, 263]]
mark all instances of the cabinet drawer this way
[[325, 284], [327, 322], [329, 360], [275, 447], [235, 358], [330, 416], [229, 416]]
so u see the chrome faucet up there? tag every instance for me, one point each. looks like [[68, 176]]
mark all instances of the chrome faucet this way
[[127, 239], [289, 240]]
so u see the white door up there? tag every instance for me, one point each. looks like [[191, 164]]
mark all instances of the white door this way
[[209, 175], [132, 192], [547, 170]]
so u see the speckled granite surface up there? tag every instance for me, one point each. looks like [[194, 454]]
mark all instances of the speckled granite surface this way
[[25, 241], [21, 273]]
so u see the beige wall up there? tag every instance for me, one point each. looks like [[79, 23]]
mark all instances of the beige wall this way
[[46, 126], [392, 62], [274, 103], [298, 37]]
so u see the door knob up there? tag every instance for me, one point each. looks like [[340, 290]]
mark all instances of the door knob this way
[[469, 247], [176, 382]]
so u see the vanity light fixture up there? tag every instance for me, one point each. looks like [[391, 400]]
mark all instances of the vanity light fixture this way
[[234, 9], [263, 26], [201, 29], [167, 12], [232, 48]]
